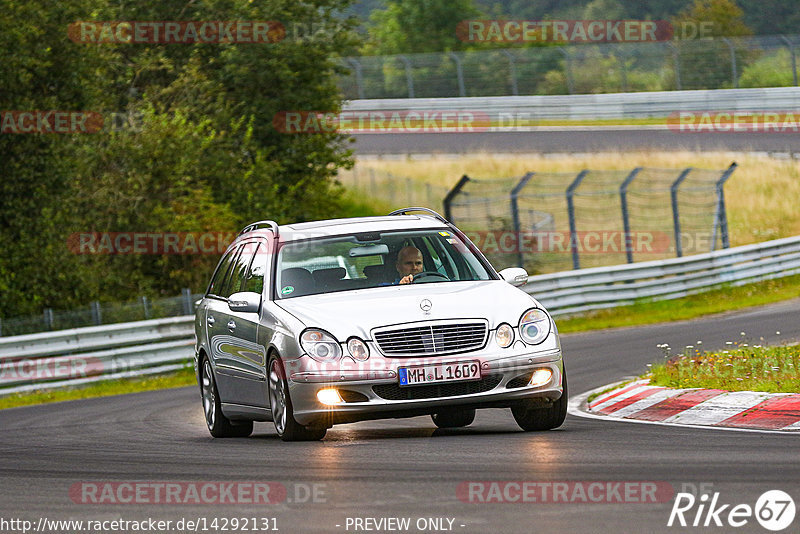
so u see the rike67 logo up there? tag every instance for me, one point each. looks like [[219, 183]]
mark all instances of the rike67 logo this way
[[774, 510]]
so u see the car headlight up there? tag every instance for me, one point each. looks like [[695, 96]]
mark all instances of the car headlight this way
[[320, 345], [504, 335], [534, 326], [357, 349]]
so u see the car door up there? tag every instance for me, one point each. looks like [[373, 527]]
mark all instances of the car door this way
[[240, 360]]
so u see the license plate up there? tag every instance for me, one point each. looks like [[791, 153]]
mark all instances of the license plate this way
[[440, 372]]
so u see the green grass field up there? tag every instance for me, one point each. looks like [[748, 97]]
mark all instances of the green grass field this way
[[743, 367]]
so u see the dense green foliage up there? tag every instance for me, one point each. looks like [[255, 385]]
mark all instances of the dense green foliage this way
[[203, 155]]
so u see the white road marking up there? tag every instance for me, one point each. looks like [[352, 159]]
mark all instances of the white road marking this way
[[719, 408]]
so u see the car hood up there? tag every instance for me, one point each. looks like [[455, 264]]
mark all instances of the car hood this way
[[356, 313]]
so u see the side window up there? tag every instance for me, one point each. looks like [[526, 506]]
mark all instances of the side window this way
[[239, 270], [222, 270], [258, 268]]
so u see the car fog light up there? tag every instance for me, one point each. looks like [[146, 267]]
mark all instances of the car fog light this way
[[504, 335], [540, 377], [329, 397]]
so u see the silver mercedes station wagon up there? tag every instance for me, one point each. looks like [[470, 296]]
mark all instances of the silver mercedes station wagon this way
[[318, 323]]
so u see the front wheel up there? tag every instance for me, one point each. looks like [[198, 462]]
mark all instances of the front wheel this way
[[282, 412], [219, 425], [530, 418]]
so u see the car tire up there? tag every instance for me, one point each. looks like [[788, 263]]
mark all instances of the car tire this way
[[532, 418], [281, 405], [454, 418], [218, 425]]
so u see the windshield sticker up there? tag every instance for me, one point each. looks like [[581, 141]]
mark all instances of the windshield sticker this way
[[444, 234], [287, 290]]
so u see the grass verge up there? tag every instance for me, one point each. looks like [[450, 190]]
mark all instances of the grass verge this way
[[725, 298], [104, 388], [742, 368]]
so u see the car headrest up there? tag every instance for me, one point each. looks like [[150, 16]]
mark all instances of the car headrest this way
[[299, 279], [375, 272], [325, 276]]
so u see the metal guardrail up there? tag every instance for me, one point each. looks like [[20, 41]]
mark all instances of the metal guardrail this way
[[513, 111], [78, 356], [605, 287], [81, 355]]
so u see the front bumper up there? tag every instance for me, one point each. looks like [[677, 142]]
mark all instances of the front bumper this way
[[372, 391]]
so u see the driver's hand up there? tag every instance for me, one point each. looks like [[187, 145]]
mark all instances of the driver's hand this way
[[407, 279]]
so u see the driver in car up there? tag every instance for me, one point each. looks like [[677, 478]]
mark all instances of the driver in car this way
[[409, 263]]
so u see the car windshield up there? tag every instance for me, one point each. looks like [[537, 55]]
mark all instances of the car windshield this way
[[361, 261]]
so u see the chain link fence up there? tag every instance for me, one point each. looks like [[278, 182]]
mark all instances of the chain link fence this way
[[723, 63], [550, 222], [98, 313]]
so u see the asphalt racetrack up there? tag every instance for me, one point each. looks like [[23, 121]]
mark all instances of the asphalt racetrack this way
[[562, 140], [405, 468]]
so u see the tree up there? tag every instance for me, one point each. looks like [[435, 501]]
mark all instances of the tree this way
[[722, 18], [417, 26], [205, 158]]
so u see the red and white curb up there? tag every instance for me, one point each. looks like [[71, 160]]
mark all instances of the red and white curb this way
[[711, 408]]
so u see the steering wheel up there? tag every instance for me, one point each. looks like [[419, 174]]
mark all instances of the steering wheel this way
[[423, 274]]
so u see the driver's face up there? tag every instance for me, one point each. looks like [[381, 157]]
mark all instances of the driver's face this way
[[409, 262]]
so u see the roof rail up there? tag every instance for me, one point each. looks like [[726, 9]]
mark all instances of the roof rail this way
[[405, 211], [255, 226]]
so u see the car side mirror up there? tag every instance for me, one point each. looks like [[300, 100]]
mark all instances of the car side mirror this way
[[246, 301], [516, 276]]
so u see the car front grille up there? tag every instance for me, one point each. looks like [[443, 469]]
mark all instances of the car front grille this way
[[432, 391], [432, 338]]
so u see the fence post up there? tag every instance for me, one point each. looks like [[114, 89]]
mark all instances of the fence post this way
[[573, 233], [48, 318], [676, 220], [721, 219], [512, 71], [459, 73], [676, 58], [409, 75], [97, 314], [626, 225], [359, 76], [448, 199], [1, 327], [187, 301], [790, 45], [146, 307], [515, 215], [568, 70], [734, 73], [623, 69]]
